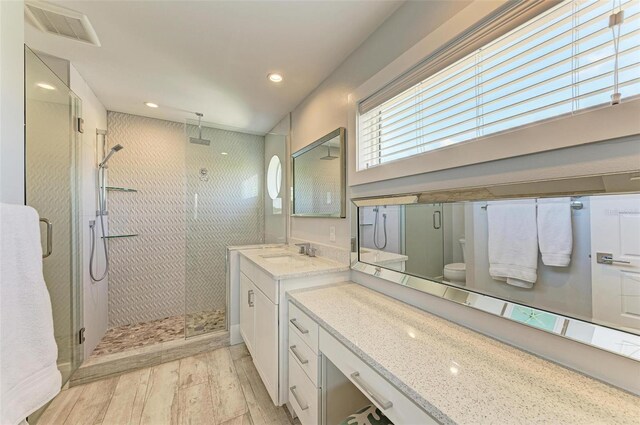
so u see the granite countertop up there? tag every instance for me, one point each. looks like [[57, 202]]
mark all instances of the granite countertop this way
[[458, 375], [374, 256], [286, 263]]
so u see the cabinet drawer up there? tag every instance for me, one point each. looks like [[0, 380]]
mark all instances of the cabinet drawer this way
[[303, 394], [303, 355], [395, 405], [260, 279], [266, 284], [248, 268], [304, 327]]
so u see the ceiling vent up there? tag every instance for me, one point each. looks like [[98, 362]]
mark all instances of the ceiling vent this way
[[61, 21]]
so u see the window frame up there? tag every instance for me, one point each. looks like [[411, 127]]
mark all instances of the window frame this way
[[553, 133]]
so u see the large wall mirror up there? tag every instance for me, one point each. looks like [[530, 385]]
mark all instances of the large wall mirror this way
[[559, 256], [319, 169]]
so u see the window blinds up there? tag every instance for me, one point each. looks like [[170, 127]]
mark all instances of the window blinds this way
[[558, 63]]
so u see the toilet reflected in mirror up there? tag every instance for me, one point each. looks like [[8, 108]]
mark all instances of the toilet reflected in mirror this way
[[457, 272]]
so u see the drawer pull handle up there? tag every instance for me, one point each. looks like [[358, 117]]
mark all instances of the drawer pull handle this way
[[298, 326], [384, 403], [303, 406], [296, 353]]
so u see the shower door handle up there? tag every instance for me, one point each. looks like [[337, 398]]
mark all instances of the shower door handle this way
[[49, 237], [49, 249], [438, 221]]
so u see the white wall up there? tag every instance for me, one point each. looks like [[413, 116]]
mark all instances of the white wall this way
[[327, 108], [95, 295], [275, 223], [12, 102]]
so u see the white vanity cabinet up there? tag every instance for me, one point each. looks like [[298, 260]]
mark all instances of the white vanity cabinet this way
[[308, 342], [264, 316]]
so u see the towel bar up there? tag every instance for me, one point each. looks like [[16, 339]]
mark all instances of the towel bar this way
[[576, 205]]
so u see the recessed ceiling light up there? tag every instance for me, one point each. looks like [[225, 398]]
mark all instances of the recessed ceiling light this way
[[46, 86], [275, 77], [151, 104], [223, 153]]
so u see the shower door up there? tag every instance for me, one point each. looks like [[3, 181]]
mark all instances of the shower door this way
[[224, 206], [51, 177], [424, 240]]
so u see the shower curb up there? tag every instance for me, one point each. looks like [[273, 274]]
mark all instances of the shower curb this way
[[117, 364]]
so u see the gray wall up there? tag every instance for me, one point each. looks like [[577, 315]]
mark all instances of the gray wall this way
[[177, 259], [275, 221]]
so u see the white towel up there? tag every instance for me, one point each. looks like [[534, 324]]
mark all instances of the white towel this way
[[554, 231], [513, 242], [28, 350]]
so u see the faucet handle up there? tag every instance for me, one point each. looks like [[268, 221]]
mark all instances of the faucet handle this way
[[304, 248], [312, 252]]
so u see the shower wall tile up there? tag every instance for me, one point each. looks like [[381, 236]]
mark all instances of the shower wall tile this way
[[178, 260], [147, 278]]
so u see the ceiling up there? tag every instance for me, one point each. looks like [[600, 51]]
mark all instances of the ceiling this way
[[213, 56]]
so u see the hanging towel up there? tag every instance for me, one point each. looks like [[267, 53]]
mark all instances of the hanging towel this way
[[28, 350], [513, 242], [554, 231]]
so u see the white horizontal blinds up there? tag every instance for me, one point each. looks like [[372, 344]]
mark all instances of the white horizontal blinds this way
[[558, 63]]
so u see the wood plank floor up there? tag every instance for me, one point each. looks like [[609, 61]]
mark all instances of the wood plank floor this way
[[220, 387]]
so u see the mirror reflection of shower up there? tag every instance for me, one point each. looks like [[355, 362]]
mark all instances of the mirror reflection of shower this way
[[101, 190], [376, 229]]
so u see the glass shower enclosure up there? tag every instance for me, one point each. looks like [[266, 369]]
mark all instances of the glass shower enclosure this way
[[51, 179], [224, 206]]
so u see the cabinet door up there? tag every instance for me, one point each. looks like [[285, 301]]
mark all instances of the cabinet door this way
[[266, 343], [247, 309]]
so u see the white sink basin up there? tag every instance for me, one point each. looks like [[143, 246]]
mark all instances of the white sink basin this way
[[277, 255], [282, 258]]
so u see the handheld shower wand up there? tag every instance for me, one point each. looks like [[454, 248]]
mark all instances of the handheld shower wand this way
[[100, 188], [113, 150], [376, 230]]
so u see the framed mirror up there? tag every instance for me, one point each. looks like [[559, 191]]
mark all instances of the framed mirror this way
[[562, 256], [318, 178]]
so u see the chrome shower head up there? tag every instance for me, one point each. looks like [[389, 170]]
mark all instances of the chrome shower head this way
[[113, 150], [199, 140]]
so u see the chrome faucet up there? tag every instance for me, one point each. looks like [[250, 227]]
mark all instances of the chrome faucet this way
[[304, 248]]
